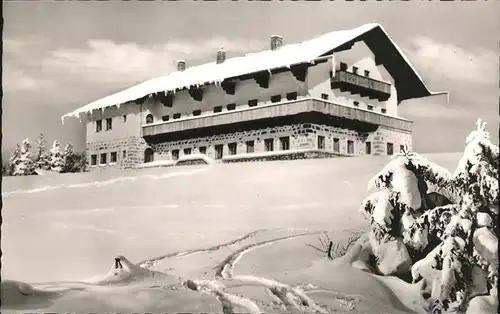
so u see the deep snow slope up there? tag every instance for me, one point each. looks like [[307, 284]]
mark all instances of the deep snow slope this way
[[68, 227]]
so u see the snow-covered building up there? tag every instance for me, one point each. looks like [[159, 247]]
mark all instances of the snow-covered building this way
[[333, 95]]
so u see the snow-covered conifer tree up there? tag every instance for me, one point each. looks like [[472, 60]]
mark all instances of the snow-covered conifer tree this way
[[69, 155], [24, 165], [452, 239], [14, 157], [56, 157], [41, 156]]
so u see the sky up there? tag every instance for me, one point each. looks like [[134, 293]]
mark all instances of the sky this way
[[59, 56]]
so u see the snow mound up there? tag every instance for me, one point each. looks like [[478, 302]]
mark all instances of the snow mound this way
[[123, 272], [156, 163], [17, 293], [194, 159]]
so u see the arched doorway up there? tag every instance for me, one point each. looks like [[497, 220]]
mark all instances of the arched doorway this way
[[148, 155], [149, 119]]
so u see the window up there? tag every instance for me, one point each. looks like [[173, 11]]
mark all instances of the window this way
[[124, 118], [165, 118], [176, 116], [321, 142], [187, 151], [355, 70], [336, 145], [401, 148], [93, 160], [202, 150], [285, 143], [368, 147], [103, 159], [196, 112], [350, 147], [291, 96], [219, 151], [231, 107], [343, 66], [384, 110], [367, 73], [252, 102], [98, 126], [124, 154], [275, 98], [356, 104], [217, 109], [269, 144], [370, 107], [324, 96], [175, 154], [390, 149], [232, 148], [149, 119], [113, 157], [250, 146], [149, 155]]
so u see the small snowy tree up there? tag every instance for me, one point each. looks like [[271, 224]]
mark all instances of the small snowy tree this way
[[16, 154], [69, 158], [56, 160], [452, 240], [23, 164], [41, 156]]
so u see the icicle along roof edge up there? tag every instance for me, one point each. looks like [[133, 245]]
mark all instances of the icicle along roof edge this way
[[304, 52]]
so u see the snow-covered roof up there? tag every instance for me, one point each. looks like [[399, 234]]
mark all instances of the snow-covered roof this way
[[408, 82]]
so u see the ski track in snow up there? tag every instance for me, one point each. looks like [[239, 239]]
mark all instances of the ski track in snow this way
[[152, 261], [228, 301], [225, 269], [106, 182], [293, 299]]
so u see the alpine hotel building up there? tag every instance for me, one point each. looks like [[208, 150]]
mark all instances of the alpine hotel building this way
[[334, 95]]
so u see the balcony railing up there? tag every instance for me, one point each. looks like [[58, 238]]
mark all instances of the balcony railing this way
[[281, 109], [357, 84]]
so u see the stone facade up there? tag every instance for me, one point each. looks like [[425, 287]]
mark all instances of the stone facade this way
[[129, 150], [300, 136]]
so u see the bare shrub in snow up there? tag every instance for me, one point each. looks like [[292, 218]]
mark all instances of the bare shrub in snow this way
[[450, 235], [335, 249]]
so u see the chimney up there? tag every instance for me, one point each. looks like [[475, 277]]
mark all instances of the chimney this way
[[181, 65], [221, 56], [276, 42]]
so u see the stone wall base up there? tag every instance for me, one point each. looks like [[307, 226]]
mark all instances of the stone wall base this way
[[286, 155]]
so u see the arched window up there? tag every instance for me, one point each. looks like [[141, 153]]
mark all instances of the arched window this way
[[148, 155], [149, 119]]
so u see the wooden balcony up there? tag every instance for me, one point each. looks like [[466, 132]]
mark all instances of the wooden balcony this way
[[362, 85], [312, 107]]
